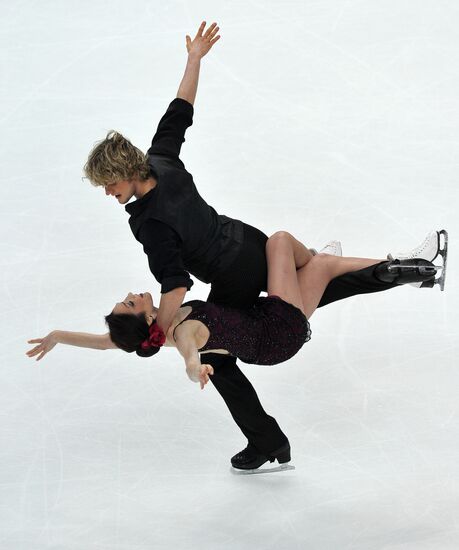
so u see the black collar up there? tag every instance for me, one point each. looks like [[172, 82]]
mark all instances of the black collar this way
[[135, 207]]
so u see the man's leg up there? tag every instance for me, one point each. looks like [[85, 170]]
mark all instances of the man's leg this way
[[261, 430], [240, 287]]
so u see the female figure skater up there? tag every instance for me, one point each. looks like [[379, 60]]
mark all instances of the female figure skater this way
[[270, 332]]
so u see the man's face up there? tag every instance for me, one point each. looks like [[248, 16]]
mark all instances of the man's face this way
[[122, 190]]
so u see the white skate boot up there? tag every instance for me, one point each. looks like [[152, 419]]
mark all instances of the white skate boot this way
[[428, 250], [332, 247]]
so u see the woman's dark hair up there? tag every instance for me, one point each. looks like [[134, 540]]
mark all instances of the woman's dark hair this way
[[128, 332]]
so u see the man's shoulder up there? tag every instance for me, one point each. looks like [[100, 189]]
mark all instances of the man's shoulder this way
[[163, 163]]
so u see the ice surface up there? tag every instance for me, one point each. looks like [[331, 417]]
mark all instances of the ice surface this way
[[332, 120]]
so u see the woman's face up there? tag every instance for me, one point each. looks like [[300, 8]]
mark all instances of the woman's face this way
[[135, 304]]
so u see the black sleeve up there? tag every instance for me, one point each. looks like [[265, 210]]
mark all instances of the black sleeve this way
[[163, 247], [171, 129]]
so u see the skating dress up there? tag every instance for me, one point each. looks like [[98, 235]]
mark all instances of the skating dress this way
[[268, 333]]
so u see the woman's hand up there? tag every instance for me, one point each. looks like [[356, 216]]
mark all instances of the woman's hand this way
[[202, 43], [199, 373], [204, 372], [44, 345]]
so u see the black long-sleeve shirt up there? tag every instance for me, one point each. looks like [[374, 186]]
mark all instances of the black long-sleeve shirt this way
[[163, 247], [180, 233]]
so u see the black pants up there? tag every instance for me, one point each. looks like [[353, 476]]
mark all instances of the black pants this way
[[240, 286]]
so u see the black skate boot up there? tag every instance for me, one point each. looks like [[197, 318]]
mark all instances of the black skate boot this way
[[403, 272], [251, 459]]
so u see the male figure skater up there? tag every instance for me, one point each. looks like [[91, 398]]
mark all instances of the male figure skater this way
[[181, 234]]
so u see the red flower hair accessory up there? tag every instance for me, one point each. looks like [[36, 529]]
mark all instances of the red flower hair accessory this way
[[156, 337]]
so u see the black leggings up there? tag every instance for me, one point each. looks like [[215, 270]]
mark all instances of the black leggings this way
[[239, 287]]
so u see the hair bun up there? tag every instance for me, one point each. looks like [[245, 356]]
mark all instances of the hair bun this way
[[147, 352]]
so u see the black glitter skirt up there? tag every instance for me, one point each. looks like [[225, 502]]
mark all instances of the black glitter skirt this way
[[284, 331]]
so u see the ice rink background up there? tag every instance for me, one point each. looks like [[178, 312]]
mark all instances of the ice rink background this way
[[332, 119]]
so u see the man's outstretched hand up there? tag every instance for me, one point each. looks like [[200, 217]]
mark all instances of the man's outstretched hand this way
[[203, 41]]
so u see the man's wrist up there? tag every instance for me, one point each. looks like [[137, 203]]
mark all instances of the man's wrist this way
[[194, 57]]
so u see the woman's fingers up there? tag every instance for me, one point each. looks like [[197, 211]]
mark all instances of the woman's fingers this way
[[37, 351], [34, 351], [204, 376], [209, 369]]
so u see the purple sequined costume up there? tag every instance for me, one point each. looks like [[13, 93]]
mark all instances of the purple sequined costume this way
[[270, 332]]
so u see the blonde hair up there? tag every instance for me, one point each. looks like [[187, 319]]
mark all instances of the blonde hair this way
[[114, 159]]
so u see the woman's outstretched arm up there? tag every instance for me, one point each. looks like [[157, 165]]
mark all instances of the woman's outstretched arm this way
[[197, 49], [80, 339]]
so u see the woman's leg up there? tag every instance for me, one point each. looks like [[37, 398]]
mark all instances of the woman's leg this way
[[285, 255], [284, 240], [314, 277], [300, 278]]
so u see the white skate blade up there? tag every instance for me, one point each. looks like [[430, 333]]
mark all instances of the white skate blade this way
[[269, 470], [443, 252]]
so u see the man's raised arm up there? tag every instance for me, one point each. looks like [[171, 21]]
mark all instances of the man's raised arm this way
[[197, 49], [170, 135]]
